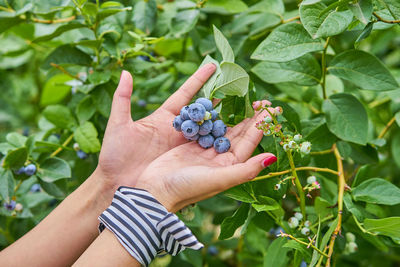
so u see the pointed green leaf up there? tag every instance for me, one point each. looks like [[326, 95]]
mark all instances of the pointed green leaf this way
[[377, 191], [233, 80], [15, 158], [145, 15], [230, 224], [59, 115], [184, 21], [6, 184], [362, 10], [86, 136], [53, 169], [223, 46], [276, 255], [285, 43], [210, 83], [55, 89], [362, 69], [387, 226]]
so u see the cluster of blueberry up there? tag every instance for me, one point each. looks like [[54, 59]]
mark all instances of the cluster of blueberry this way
[[79, 152], [12, 205], [28, 170], [293, 222], [198, 122]]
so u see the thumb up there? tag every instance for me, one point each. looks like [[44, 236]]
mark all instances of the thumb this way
[[243, 172], [121, 105]]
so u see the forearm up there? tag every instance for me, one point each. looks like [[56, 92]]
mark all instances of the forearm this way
[[66, 232]]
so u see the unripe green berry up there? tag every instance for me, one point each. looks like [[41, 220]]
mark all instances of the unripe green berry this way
[[307, 224], [298, 215], [297, 138], [350, 237], [293, 222], [305, 231], [311, 179], [277, 187], [268, 119], [352, 247]]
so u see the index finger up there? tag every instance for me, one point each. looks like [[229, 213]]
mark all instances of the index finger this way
[[186, 92]]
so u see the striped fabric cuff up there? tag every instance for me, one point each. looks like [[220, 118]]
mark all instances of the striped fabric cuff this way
[[144, 226]]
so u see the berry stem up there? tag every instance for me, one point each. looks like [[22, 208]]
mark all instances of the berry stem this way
[[18, 186], [304, 243], [323, 152], [45, 21], [66, 142], [298, 185], [384, 131], [308, 168], [341, 186]]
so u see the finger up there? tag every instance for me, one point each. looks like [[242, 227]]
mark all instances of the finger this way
[[244, 144], [186, 92], [229, 176], [121, 104]]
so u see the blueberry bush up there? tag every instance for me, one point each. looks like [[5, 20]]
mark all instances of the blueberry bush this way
[[327, 71]]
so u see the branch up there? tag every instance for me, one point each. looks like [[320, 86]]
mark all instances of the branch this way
[[384, 131], [47, 21], [304, 243], [65, 71], [308, 168], [291, 19], [58, 150], [298, 184], [384, 20], [323, 67], [323, 152], [341, 186]]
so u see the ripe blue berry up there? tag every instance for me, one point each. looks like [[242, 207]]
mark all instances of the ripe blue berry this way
[[206, 141], [10, 206], [212, 250], [177, 123], [142, 103], [222, 144], [35, 188], [30, 169], [205, 102], [189, 128], [214, 114], [20, 171], [219, 128], [196, 112], [81, 154], [192, 138], [206, 127], [143, 58], [184, 113]]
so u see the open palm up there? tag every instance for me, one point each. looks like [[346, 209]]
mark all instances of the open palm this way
[[129, 146], [188, 173]]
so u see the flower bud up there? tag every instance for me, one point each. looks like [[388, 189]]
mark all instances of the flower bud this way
[[19, 207], [277, 187], [311, 179], [293, 222], [292, 144], [257, 105], [278, 111], [76, 147]]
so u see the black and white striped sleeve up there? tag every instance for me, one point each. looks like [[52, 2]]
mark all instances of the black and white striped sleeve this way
[[144, 226]]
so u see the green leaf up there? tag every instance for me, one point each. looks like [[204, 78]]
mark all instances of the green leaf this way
[[15, 158], [322, 207], [388, 226], [346, 118], [223, 46], [10, 19], [362, 10], [233, 80], [269, 6], [57, 32], [60, 116], [328, 234], [285, 43], [360, 154], [55, 89], [355, 209], [85, 109], [184, 21], [210, 83], [397, 118], [239, 193], [362, 69], [377, 191], [304, 70], [230, 224], [306, 253], [276, 255], [86, 136], [6, 184], [16, 139], [67, 54], [364, 34], [53, 169], [394, 8], [328, 24], [264, 22], [145, 15], [225, 7], [57, 189], [187, 68], [266, 204], [395, 149], [99, 77]]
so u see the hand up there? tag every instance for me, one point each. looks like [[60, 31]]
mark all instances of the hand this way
[[188, 173], [128, 146]]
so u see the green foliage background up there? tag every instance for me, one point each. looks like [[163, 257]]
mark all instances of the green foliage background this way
[[334, 67]]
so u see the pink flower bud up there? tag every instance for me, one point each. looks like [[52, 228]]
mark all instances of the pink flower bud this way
[[257, 105], [316, 184], [271, 110], [265, 103]]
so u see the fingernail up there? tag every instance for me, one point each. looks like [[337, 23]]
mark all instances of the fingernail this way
[[268, 161]]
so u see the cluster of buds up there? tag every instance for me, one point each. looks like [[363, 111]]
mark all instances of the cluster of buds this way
[[283, 181], [351, 245], [294, 222], [312, 184], [270, 126], [13, 206]]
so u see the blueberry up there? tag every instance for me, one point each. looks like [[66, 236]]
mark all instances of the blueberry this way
[[143, 58], [20, 171], [142, 103], [25, 131], [189, 128], [10, 205], [214, 114], [222, 144], [177, 123], [205, 102], [219, 128], [212, 250], [184, 113], [196, 112], [206, 127], [192, 138], [35, 188], [303, 264], [30, 169], [206, 141], [81, 154]]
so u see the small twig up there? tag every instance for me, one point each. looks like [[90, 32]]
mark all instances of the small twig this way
[[323, 67], [302, 242], [384, 131], [385, 20], [65, 71], [327, 218], [323, 152], [58, 150], [18, 186], [46, 21], [291, 19], [341, 186], [308, 168]]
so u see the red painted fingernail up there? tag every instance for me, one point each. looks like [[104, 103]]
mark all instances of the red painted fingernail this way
[[268, 161]]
